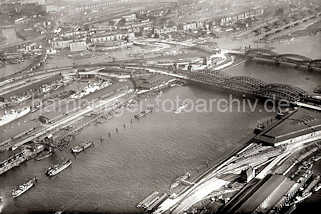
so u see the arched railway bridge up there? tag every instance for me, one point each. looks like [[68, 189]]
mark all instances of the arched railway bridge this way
[[241, 84], [295, 59], [249, 85]]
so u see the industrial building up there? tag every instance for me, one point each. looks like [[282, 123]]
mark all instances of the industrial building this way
[[261, 196], [302, 126]]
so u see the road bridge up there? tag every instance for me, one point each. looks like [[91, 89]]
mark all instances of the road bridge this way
[[288, 58]]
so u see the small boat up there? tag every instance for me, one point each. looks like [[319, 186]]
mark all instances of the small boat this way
[[301, 199], [56, 169], [143, 113], [2, 201], [317, 188], [181, 108], [23, 188], [81, 147]]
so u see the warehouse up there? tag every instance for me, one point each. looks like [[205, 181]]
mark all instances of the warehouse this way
[[261, 197], [302, 126]]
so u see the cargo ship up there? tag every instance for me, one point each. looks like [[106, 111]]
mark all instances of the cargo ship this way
[[56, 169], [17, 159], [12, 115], [91, 88], [82, 147], [21, 189]]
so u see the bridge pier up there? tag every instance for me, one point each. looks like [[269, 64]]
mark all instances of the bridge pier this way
[[310, 67], [277, 62]]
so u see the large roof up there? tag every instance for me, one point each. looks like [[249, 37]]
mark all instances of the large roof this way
[[268, 194], [301, 122]]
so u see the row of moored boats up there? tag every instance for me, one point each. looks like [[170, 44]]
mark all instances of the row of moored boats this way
[[52, 170]]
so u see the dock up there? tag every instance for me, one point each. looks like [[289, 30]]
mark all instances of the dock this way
[[19, 158], [147, 200], [152, 201]]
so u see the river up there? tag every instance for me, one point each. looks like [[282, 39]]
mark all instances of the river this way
[[150, 153]]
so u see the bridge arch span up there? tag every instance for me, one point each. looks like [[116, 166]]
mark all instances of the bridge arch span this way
[[260, 51], [315, 63], [248, 83], [284, 91], [294, 57]]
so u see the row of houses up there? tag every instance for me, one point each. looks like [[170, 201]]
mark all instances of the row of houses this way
[[81, 44], [222, 21], [231, 19], [99, 5], [112, 37], [165, 30]]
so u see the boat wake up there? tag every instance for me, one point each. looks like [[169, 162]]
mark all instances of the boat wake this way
[[2, 203], [181, 108]]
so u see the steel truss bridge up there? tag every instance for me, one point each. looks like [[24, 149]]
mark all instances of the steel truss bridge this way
[[240, 84], [247, 85], [298, 60]]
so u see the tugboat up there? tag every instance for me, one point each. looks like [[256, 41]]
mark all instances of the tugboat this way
[[82, 147], [57, 168], [23, 188]]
